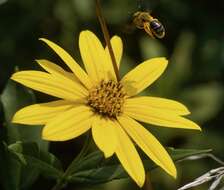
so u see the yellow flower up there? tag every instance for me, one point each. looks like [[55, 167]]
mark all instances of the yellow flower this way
[[96, 100]]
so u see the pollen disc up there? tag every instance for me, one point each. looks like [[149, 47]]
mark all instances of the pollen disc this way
[[107, 98]]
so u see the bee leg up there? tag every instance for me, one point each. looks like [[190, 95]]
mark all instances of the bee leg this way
[[147, 30]]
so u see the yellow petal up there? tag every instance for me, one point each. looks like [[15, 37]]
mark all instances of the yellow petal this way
[[70, 62], [94, 57], [39, 114], [69, 125], [48, 84], [161, 118], [149, 144], [160, 104], [129, 157], [58, 72], [104, 135], [117, 47], [143, 75]]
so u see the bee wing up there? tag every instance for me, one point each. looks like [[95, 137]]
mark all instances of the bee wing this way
[[145, 5], [129, 28]]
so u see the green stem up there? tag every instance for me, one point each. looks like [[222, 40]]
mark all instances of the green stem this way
[[147, 185], [62, 181], [82, 153], [58, 185]]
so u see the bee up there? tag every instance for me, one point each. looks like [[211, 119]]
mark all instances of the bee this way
[[153, 27]]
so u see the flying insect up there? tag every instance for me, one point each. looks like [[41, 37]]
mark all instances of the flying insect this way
[[152, 26]]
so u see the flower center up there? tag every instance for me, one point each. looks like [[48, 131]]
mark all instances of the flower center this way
[[107, 98]]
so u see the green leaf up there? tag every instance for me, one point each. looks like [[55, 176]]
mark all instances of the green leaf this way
[[94, 169], [15, 97], [26, 157], [29, 155], [9, 169]]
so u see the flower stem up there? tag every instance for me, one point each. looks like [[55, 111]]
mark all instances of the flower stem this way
[[82, 153], [58, 186], [61, 183], [147, 185], [106, 37]]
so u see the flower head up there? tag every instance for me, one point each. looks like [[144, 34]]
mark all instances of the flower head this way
[[96, 100]]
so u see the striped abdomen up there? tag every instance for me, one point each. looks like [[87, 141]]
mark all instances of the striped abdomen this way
[[157, 28]]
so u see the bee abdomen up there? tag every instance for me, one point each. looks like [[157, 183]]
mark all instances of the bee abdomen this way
[[157, 27]]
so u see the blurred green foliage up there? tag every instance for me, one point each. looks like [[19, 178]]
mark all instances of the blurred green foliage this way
[[195, 76]]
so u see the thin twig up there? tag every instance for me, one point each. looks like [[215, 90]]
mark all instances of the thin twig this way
[[215, 174], [106, 37], [201, 156]]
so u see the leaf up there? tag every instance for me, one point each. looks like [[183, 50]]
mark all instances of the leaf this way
[[179, 154], [94, 169], [2, 128], [22, 157], [29, 155], [9, 169], [13, 98]]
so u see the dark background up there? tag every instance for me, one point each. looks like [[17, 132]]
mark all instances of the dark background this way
[[194, 44]]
